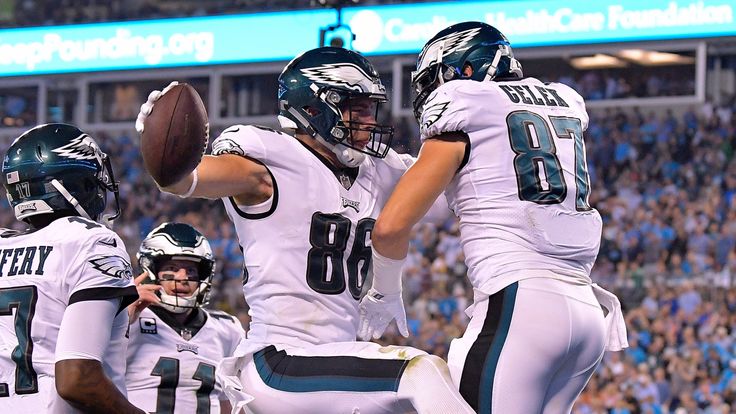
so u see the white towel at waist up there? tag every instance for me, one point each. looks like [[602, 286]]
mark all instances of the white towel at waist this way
[[615, 324]]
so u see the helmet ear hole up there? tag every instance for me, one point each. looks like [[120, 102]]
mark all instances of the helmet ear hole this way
[[89, 184], [467, 69], [312, 111]]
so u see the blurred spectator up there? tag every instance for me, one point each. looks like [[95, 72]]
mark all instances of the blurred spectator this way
[[596, 85]]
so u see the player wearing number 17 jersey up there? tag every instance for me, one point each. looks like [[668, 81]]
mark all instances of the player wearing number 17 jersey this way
[[509, 154], [65, 282], [303, 206]]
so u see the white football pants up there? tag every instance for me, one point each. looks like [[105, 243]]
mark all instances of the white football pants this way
[[529, 348], [349, 378]]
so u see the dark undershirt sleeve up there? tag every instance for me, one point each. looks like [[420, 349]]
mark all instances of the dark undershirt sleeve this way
[[128, 294], [456, 136]]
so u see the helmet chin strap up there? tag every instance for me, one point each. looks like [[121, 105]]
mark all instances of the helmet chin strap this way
[[514, 65], [177, 304], [491, 72], [347, 156], [70, 198]]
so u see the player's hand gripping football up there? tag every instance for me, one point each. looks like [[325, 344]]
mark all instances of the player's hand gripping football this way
[[377, 311], [146, 296], [147, 107], [174, 131]]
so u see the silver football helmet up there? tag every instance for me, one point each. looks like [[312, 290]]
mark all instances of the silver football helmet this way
[[178, 241]]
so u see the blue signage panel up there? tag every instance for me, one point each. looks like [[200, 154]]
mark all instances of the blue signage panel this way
[[387, 29], [405, 28], [160, 43]]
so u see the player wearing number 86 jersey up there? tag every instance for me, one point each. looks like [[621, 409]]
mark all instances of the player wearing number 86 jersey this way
[[314, 233], [509, 154], [303, 202]]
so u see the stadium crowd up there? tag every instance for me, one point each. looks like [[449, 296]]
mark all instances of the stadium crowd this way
[[665, 185], [594, 85]]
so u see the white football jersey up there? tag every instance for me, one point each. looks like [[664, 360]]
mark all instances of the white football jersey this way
[[307, 249], [522, 195], [168, 373], [41, 273]]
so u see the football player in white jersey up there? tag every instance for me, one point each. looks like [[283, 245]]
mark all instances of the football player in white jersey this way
[[303, 203], [65, 282], [176, 344], [509, 154]]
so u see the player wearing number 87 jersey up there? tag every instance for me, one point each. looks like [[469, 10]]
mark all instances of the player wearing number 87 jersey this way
[[303, 202], [176, 344], [508, 153]]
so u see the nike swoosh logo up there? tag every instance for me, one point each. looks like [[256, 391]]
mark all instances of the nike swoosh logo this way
[[107, 243]]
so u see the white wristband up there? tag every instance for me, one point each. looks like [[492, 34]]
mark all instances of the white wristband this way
[[195, 180], [386, 274]]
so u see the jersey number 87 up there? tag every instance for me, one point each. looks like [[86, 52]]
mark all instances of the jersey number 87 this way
[[531, 140]]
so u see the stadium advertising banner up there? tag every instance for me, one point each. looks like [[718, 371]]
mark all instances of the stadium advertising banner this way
[[389, 29], [159, 43], [400, 29]]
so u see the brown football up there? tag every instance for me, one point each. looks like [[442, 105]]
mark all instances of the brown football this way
[[174, 135]]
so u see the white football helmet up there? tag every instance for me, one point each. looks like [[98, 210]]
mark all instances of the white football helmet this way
[[178, 241]]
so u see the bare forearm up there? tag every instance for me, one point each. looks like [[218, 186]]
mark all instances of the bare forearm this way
[[405, 208], [227, 175], [415, 193], [394, 246], [407, 205], [83, 384]]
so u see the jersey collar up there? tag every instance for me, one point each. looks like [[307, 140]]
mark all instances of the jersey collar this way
[[345, 176], [194, 322]]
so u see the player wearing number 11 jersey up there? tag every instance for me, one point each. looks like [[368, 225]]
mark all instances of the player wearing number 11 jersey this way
[[509, 154], [176, 344], [303, 206]]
